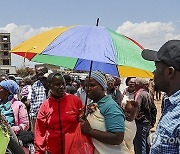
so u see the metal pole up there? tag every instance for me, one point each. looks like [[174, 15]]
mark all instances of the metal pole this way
[[90, 70], [25, 55]]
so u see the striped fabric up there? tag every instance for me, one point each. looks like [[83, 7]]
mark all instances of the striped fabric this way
[[100, 78]]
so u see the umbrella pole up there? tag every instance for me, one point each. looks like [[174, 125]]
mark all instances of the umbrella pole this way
[[90, 70], [85, 105], [24, 62]]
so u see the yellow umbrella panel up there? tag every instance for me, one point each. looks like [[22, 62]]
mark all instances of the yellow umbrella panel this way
[[126, 71], [38, 43]]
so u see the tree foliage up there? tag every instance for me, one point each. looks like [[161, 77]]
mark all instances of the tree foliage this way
[[23, 72]]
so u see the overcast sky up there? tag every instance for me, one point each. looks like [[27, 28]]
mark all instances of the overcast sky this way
[[149, 22]]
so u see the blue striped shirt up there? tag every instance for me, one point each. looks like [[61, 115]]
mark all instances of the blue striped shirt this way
[[167, 137]]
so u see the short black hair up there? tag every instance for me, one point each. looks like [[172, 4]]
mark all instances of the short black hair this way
[[67, 78], [52, 75], [128, 79], [27, 80]]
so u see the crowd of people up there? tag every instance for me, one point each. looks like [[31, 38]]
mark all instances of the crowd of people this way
[[40, 106], [51, 105]]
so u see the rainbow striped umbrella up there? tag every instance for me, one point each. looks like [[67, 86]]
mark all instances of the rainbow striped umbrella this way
[[76, 47]]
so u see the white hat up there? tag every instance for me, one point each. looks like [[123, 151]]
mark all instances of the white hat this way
[[47, 74]]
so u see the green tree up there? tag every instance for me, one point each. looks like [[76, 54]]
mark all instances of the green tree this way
[[23, 72]]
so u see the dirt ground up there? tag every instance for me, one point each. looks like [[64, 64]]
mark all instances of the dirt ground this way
[[158, 106]]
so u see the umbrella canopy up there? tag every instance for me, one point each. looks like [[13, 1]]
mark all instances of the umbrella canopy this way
[[75, 47]]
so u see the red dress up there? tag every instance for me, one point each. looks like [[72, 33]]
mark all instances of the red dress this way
[[55, 118]]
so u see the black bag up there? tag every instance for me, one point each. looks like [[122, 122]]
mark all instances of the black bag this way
[[24, 99], [26, 137]]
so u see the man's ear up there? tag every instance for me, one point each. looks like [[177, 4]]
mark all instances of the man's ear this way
[[171, 72]]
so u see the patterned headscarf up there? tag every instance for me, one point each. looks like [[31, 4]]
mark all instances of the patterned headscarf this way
[[100, 78], [10, 86], [110, 79]]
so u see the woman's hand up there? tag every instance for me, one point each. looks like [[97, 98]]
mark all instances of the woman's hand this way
[[81, 116], [85, 127]]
